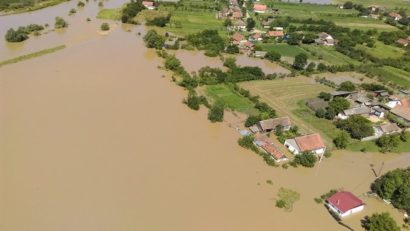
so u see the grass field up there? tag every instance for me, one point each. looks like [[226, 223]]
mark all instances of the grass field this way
[[329, 54], [232, 100], [284, 95], [20, 6], [189, 22], [370, 146], [390, 4], [32, 55], [381, 50], [283, 49], [394, 75], [110, 14]]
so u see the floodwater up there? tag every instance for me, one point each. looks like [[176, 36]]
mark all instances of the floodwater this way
[[93, 138]]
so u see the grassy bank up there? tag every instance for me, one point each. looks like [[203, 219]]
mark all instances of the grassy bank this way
[[32, 55], [20, 6], [110, 14]]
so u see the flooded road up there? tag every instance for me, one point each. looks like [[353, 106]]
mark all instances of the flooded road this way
[[93, 138]]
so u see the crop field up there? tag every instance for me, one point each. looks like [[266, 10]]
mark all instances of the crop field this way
[[285, 96], [232, 100], [381, 50], [394, 75]]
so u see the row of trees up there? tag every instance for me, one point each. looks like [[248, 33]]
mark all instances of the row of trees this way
[[22, 33]]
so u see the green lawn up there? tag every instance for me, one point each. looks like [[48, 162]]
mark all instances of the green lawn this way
[[380, 50], [110, 14], [390, 4], [329, 54], [394, 75], [370, 146], [19, 6], [283, 49], [232, 100], [189, 22]]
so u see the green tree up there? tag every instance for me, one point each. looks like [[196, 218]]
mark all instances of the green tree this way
[[380, 222], [272, 56], [232, 49], [105, 26], [341, 140], [18, 35], [60, 23], [216, 112], [172, 63], [347, 86], [227, 22], [358, 126], [153, 40], [193, 101], [250, 24], [300, 61], [252, 120], [348, 5], [306, 159], [325, 96], [339, 104], [388, 142]]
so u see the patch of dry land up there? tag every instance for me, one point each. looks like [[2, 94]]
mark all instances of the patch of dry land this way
[[341, 77]]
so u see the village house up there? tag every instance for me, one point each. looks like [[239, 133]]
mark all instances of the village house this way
[[266, 23], [403, 42], [378, 111], [405, 92], [362, 110], [238, 39], [393, 101], [276, 34], [256, 37], [403, 110], [375, 9], [344, 204], [389, 128], [237, 15], [265, 144], [149, 5], [395, 16], [259, 8], [271, 124], [325, 39], [238, 25], [307, 143]]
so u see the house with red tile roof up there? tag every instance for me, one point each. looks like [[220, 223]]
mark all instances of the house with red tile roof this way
[[149, 5], [260, 8], [276, 33], [395, 16], [265, 144], [403, 42], [344, 204], [307, 143], [238, 39], [402, 110]]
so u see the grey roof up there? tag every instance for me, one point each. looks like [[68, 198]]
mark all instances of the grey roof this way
[[271, 124], [357, 111], [317, 103], [390, 127], [339, 93]]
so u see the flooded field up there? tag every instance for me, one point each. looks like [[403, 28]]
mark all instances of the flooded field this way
[[93, 138]]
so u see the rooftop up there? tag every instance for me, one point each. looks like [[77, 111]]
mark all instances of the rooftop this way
[[345, 201], [259, 7], [271, 124], [309, 142]]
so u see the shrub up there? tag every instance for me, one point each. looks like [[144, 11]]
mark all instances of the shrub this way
[[60, 23], [341, 140], [216, 112], [388, 142], [105, 26], [306, 159], [18, 35], [153, 40], [380, 222], [252, 120], [272, 56]]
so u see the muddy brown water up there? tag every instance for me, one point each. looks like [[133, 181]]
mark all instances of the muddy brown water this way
[[94, 138]]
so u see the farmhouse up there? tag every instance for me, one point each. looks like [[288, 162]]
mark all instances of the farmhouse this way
[[238, 39], [393, 102], [308, 143], [149, 5], [259, 54], [403, 110], [264, 143], [276, 34], [362, 110], [378, 111], [266, 23], [259, 8], [256, 37], [389, 128], [238, 25], [237, 15], [344, 204], [271, 124], [395, 16], [403, 42], [325, 39]]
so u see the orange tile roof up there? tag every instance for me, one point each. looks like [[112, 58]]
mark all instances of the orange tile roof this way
[[238, 37], [310, 142], [259, 7], [278, 33]]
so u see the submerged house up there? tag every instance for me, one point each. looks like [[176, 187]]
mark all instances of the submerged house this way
[[344, 204], [271, 124], [307, 143], [325, 39], [265, 144]]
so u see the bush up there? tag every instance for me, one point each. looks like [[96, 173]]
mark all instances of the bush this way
[[105, 26], [159, 21], [18, 35], [131, 10], [272, 56], [358, 126], [252, 120], [380, 222], [247, 142], [388, 142], [216, 112], [347, 86], [193, 101], [306, 159], [153, 40], [60, 23], [300, 61], [341, 140]]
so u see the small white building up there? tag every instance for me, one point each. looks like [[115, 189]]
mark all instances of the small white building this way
[[307, 143], [393, 102], [259, 8], [149, 5], [344, 204]]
